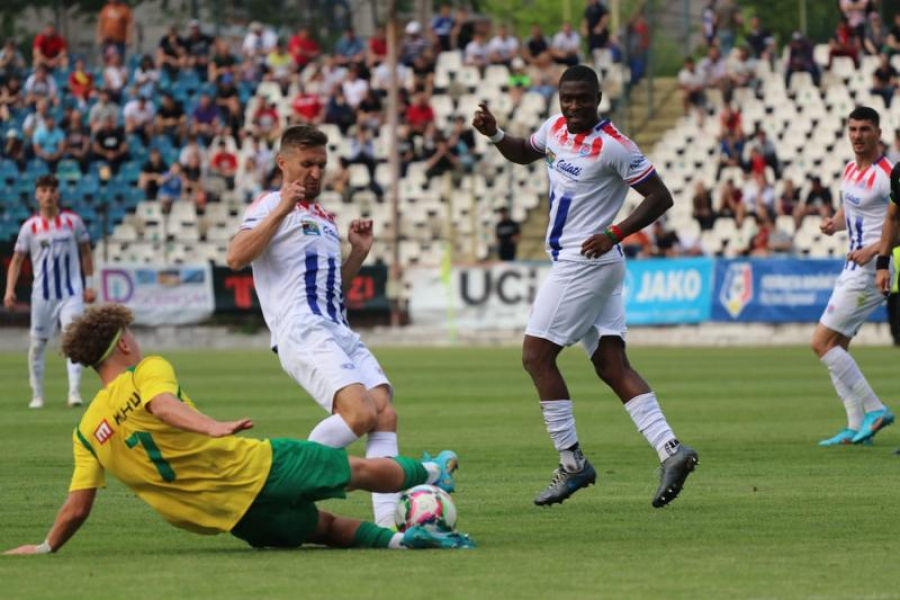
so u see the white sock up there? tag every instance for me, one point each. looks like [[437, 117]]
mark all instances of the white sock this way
[[333, 432], [845, 368], [74, 370], [561, 426], [651, 422], [36, 351], [434, 472], [851, 405], [381, 444], [395, 543]]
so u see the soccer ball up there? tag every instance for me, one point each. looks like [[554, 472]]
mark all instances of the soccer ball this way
[[426, 506]]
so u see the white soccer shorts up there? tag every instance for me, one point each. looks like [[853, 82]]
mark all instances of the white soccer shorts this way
[[852, 301], [580, 302], [48, 316], [324, 357]]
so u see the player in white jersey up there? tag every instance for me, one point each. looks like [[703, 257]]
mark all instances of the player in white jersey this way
[[60, 251], [591, 166], [865, 195], [295, 250]]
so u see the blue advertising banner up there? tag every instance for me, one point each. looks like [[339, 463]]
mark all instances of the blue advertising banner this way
[[775, 290], [668, 291]]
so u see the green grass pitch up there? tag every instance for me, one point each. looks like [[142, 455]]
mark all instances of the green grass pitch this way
[[767, 514]]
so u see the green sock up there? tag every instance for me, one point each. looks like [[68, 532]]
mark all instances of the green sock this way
[[370, 535], [413, 472]]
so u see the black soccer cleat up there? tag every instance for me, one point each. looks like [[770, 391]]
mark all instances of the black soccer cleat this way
[[564, 484], [673, 472]]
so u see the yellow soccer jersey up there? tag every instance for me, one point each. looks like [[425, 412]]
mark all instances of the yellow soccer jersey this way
[[195, 482]]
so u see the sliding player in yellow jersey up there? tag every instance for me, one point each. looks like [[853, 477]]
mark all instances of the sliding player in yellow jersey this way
[[193, 470]]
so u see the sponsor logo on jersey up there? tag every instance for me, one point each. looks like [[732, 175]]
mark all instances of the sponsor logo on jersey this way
[[737, 289], [852, 199], [103, 432], [568, 168], [636, 163], [310, 227], [348, 366], [331, 232]]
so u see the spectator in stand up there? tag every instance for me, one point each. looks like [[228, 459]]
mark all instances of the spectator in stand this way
[[110, 144], [476, 53], [714, 69], [40, 86], [442, 26], [637, 245], [267, 121], [191, 148], [152, 174], [854, 13], [376, 49], [172, 187], [709, 23], [224, 135], [14, 149], [248, 184], [463, 29], [170, 118], [338, 112], [595, 25], [566, 46], [354, 87], [441, 160], [12, 97], [731, 122], [49, 144], [800, 59], [303, 48], [761, 143], [537, 49], [692, 84], [381, 76], [222, 61], [258, 43], [728, 23], [333, 76], [884, 79], [788, 199], [503, 47], [760, 41], [413, 44], [78, 139], [114, 75], [49, 49], [370, 111], [875, 40], [423, 70], [307, 107], [758, 196], [665, 241], [224, 164], [893, 39], [768, 240], [741, 72], [198, 46], [844, 43], [172, 53], [462, 143], [280, 65], [637, 42], [34, 122], [146, 77], [205, 118], [406, 148], [730, 202], [703, 208], [139, 114], [193, 181], [350, 49], [114, 27], [12, 63], [81, 83], [519, 80], [419, 115], [730, 150], [508, 233], [228, 101], [818, 202]]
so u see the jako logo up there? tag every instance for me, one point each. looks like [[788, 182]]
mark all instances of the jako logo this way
[[737, 288]]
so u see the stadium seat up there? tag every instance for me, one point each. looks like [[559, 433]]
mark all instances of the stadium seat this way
[[450, 61]]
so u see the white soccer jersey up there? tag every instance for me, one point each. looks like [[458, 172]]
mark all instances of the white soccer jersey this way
[[298, 276], [53, 247], [589, 178], [865, 195]]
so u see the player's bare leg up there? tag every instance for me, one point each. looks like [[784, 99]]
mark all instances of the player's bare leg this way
[[382, 442], [865, 412], [677, 460], [574, 472]]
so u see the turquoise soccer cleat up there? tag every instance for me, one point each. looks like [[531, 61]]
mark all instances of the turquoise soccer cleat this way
[[873, 422], [448, 463], [421, 538], [844, 437]]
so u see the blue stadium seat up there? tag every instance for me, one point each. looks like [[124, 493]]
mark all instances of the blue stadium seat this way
[[68, 169], [37, 167], [9, 172], [130, 172]]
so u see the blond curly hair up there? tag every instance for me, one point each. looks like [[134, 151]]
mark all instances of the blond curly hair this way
[[87, 338]]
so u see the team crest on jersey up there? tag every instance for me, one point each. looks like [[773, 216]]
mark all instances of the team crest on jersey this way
[[310, 228], [551, 157], [737, 288], [103, 432], [45, 244]]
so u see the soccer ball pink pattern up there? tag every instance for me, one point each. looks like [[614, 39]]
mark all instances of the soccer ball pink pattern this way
[[426, 506]]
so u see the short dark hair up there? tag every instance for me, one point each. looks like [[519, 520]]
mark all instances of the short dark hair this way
[[46, 181], [302, 136], [581, 73], [865, 113]]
